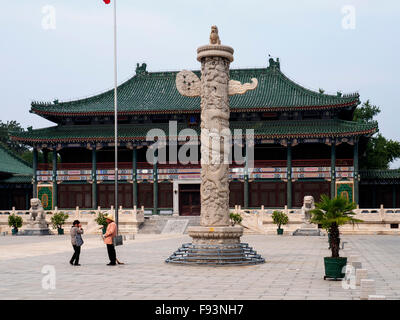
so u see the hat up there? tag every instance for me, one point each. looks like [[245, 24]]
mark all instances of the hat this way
[[110, 217]]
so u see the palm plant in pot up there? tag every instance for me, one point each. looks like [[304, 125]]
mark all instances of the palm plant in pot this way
[[15, 222], [280, 218], [331, 214], [58, 220]]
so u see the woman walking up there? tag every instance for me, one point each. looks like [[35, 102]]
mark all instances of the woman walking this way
[[76, 240]]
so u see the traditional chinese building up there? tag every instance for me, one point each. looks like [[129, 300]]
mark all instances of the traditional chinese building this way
[[305, 144], [15, 180]]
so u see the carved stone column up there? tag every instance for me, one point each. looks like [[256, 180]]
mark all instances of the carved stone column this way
[[214, 89], [215, 112]]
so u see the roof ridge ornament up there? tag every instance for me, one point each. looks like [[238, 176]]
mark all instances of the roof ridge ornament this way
[[141, 69], [274, 64]]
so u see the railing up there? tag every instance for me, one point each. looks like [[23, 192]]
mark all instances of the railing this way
[[374, 221], [129, 219], [237, 209], [259, 220]]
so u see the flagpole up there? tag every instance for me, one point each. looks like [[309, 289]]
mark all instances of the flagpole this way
[[115, 114]]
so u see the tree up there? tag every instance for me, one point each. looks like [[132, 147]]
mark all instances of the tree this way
[[58, 220], [280, 218], [23, 151], [366, 113], [15, 221], [5, 129], [380, 151]]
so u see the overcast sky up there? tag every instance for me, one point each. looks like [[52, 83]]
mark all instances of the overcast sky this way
[[318, 43]]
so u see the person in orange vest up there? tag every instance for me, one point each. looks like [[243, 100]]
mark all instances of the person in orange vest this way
[[108, 237]]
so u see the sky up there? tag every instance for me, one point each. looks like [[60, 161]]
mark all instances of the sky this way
[[63, 49]]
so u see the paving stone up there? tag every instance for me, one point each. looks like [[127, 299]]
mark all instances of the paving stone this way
[[294, 269]]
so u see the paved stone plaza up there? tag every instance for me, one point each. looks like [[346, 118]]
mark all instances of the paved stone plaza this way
[[293, 270]]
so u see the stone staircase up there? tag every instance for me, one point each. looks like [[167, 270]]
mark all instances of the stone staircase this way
[[307, 232], [156, 224]]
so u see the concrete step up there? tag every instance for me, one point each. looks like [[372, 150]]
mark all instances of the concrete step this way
[[150, 226], [307, 232], [156, 224]]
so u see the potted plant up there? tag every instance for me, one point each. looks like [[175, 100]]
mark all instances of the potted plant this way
[[331, 214], [101, 221], [58, 220], [15, 222], [236, 218], [280, 218]]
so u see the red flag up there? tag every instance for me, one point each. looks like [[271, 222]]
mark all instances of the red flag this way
[[107, 1]]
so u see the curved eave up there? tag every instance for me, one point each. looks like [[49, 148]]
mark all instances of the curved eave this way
[[320, 135], [32, 141], [179, 111], [18, 179]]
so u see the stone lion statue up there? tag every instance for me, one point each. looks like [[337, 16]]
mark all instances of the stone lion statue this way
[[214, 37], [37, 215], [308, 205]]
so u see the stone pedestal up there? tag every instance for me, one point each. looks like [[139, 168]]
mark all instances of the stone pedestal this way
[[216, 246], [37, 220], [37, 227], [307, 228], [215, 235], [36, 232]]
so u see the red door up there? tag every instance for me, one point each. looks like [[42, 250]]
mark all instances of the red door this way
[[189, 200]]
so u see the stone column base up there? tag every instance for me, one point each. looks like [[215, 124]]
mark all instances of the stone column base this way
[[215, 235], [36, 232], [215, 246]]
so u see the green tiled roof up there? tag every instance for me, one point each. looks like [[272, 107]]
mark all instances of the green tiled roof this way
[[18, 179], [267, 129], [380, 174], [156, 92], [11, 163]]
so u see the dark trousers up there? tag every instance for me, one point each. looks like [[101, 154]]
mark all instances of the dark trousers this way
[[111, 253], [77, 252]]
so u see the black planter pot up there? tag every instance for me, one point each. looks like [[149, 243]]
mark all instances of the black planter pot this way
[[14, 231], [279, 231], [60, 231], [334, 267]]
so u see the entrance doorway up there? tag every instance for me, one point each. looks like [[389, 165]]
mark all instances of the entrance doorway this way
[[189, 199]]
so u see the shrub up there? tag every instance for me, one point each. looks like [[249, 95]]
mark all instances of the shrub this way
[[15, 221], [236, 218], [58, 219], [280, 218]]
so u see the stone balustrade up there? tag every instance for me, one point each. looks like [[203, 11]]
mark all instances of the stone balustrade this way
[[375, 221], [129, 219], [256, 220]]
